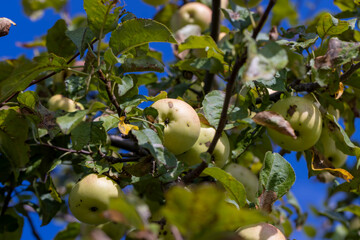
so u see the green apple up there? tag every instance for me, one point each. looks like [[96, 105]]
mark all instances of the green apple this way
[[59, 102], [304, 117], [181, 122], [247, 3], [155, 2], [330, 151], [246, 177], [191, 13], [260, 231], [90, 197], [221, 152]]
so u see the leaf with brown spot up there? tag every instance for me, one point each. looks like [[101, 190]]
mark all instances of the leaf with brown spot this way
[[5, 25], [115, 216], [275, 121], [319, 163]]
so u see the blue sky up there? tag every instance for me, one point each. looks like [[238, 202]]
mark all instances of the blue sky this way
[[308, 191]]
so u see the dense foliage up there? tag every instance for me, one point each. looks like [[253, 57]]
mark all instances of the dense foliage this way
[[78, 108]]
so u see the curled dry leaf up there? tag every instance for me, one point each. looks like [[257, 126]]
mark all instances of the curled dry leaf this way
[[5, 25], [340, 91], [319, 163], [275, 121]]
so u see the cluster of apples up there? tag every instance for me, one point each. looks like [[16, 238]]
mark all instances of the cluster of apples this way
[[306, 120], [184, 134]]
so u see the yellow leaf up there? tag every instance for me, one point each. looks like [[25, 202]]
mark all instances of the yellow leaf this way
[[125, 128], [337, 172], [340, 91]]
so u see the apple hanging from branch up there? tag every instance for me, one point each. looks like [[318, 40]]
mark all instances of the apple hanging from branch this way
[[181, 122], [90, 197]]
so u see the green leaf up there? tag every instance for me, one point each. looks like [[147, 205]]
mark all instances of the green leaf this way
[[264, 64], [284, 9], [194, 213], [57, 41], [234, 188], [103, 16], [212, 65], [136, 32], [11, 225], [34, 8], [24, 71], [88, 133], [345, 5], [194, 42], [332, 215], [239, 19], [70, 120], [123, 84], [71, 232], [165, 14], [29, 99], [142, 64], [213, 103], [148, 139], [276, 177], [13, 137], [330, 26], [355, 209], [81, 37], [48, 200], [76, 86], [127, 211]]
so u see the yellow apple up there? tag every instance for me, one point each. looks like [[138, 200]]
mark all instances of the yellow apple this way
[[155, 2], [181, 124], [260, 231], [221, 152], [304, 117], [59, 102], [192, 13], [246, 177], [90, 197]]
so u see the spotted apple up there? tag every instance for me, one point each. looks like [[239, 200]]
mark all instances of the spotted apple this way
[[90, 197], [181, 124], [304, 117]]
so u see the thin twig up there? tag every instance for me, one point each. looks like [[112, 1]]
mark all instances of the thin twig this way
[[32, 226], [112, 97], [7, 199], [188, 178], [127, 144], [128, 157], [349, 72], [215, 28]]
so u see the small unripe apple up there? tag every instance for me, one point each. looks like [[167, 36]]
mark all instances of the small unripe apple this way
[[59, 102], [247, 3], [304, 117], [181, 124], [330, 151], [246, 177], [155, 2], [192, 13], [260, 231], [221, 152], [90, 197]]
